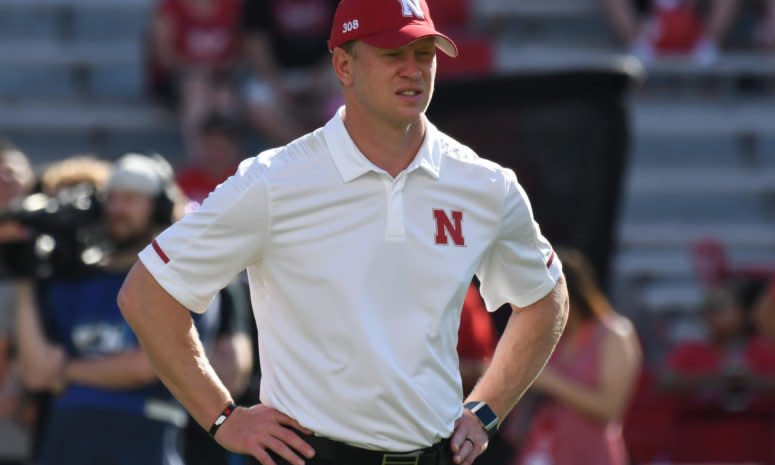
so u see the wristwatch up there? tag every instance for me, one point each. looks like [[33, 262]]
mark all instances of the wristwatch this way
[[487, 418]]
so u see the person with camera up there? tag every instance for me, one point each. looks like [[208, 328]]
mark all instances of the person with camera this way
[[108, 406]]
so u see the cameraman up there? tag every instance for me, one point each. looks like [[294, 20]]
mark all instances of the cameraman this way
[[108, 406]]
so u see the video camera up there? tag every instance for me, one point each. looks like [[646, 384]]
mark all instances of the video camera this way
[[66, 233]]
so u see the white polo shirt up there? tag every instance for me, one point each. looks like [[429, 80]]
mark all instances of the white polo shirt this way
[[357, 278]]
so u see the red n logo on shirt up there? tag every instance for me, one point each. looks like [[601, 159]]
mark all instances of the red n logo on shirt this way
[[445, 226]]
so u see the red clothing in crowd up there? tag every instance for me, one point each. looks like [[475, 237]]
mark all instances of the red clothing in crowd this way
[[756, 356], [678, 26], [476, 336], [729, 422], [701, 358], [196, 184], [208, 40]]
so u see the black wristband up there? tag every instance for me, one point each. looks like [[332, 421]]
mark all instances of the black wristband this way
[[222, 418]]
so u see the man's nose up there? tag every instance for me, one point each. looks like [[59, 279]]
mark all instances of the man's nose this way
[[411, 67]]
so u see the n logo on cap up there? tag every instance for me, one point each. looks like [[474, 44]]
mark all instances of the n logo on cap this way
[[412, 9], [446, 229]]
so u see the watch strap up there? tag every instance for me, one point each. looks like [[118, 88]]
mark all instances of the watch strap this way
[[221, 419]]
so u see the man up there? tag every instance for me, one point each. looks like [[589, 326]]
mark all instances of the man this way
[[108, 405], [360, 240]]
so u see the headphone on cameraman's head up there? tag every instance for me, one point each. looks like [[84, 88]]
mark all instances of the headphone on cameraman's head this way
[[150, 174], [169, 193]]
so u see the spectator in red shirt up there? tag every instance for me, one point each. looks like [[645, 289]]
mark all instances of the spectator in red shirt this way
[[194, 50], [216, 158], [726, 370], [673, 26], [291, 89]]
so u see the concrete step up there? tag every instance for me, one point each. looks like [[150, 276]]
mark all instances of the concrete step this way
[[29, 53], [535, 8], [46, 145], [672, 295], [58, 82], [76, 115], [701, 180], [684, 233], [31, 22], [699, 208], [26, 22], [676, 262], [703, 118]]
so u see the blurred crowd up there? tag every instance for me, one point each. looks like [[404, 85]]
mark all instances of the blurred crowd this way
[[265, 62], [71, 371], [692, 28]]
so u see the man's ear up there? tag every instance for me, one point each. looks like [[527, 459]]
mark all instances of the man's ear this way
[[342, 62]]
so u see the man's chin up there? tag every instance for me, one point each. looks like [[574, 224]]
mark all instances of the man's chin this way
[[130, 242], [408, 117]]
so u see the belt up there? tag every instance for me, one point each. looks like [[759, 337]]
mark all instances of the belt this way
[[345, 454]]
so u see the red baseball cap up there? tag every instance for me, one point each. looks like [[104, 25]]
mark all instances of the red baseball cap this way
[[386, 24]]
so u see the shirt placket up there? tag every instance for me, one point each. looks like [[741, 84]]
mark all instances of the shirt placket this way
[[395, 229]]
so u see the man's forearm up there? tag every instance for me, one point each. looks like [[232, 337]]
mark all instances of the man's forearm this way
[[170, 340], [121, 371], [522, 351], [39, 360]]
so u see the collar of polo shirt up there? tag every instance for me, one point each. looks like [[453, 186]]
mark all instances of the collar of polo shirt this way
[[352, 163]]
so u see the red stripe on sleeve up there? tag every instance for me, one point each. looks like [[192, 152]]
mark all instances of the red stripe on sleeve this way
[[160, 252], [550, 261]]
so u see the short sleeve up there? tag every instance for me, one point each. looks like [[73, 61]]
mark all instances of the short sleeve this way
[[197, 256], [520, 267]]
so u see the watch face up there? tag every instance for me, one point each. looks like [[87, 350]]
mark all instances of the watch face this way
[[486, 416]]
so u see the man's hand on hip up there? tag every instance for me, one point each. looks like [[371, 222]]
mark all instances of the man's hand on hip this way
[[258, 429], [469, 439]]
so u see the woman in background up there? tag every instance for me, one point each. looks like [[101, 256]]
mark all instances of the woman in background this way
[[588, 381]]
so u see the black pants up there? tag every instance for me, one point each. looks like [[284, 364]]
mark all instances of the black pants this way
[[446, 459], [321, 461], [314, 461]]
